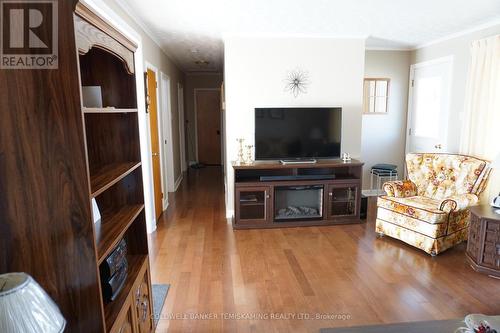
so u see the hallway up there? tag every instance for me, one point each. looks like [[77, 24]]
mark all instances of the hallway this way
[[298, 279]]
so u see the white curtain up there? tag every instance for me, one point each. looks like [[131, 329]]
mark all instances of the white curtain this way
[[481, 123]]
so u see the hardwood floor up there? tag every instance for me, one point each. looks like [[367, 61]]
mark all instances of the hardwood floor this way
[[265, 277]]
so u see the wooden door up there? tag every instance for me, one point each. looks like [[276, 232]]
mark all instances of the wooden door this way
[[155, 141], [208, 119]]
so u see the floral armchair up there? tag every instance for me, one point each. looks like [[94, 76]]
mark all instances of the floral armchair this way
[[431, 210]]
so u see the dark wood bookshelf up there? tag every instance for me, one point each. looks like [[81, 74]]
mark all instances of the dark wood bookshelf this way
[[112, 227], [67, 155], [106, 60], [108, 110], [110, 175], [137, 265]]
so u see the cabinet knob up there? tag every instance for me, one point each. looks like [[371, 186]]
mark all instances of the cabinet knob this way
[[330, 194], [138, 295], [144, 310]]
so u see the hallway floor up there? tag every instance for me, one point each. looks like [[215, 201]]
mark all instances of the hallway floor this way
[[298, 279]]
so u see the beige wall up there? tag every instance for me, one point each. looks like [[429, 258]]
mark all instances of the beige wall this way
[[383, 136], [196, 81], [459, 48], [155, 56]]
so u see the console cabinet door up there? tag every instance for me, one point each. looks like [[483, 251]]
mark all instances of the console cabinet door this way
[[253, 204], [343, 200], [142, 305], [125, 321]]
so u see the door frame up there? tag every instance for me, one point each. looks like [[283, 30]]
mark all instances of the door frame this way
[[196, 124], [182, 126], [409, 116], [159, 106], [167, 145]]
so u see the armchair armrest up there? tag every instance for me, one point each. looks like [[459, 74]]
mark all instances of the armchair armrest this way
[[458, 202], [400, 189]]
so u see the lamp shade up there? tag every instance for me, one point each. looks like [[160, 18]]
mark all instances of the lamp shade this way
[[26, 307]]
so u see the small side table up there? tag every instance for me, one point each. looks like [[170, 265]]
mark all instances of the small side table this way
[[483, 245]]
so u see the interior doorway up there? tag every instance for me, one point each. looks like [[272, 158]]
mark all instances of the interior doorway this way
[[208, 126], [428, 106], [182, 127], [167, 140]]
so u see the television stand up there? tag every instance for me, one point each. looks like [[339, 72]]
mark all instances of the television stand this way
[[299, 161], [273, 195]]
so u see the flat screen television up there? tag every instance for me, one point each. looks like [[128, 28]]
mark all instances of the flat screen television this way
[[297, 133]]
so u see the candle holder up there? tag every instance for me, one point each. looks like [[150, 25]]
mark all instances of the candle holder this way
[[249, 158], [241, 156]]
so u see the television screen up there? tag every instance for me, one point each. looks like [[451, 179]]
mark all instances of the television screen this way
[[297, 133]]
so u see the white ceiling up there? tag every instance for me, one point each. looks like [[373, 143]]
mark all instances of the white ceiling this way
[[190, 30]]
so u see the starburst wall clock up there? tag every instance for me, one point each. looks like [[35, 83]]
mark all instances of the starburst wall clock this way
[[296, 82]]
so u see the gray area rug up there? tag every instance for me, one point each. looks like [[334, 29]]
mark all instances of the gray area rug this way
[[160, 292]]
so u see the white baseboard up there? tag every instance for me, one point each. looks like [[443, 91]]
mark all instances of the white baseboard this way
[[165, 203], [178, 182], [152, 228], [229, 214]]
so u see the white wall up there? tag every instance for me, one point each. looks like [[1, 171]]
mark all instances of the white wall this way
[[459, 48], [255, 69], [384, 135]]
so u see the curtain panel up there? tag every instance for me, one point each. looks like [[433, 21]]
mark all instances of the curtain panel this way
[[481, 123]]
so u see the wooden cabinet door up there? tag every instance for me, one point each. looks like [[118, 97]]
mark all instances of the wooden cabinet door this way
[[142, 300], [491, 245], [124, 322], [474, 239], [253, 204], [343, 200]]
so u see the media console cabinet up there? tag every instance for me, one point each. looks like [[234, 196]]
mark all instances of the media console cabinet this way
[[269, 194]]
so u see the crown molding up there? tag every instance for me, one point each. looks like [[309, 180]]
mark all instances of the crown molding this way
[[203, 73], [129, 11], [226, 36], [382, 48], [459, 34]]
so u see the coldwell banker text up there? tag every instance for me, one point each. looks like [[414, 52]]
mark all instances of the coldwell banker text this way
[[28, 34]]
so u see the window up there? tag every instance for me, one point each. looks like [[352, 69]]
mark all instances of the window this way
[[375, 95]]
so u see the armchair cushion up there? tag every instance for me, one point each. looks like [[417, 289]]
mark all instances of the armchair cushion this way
[[420, 208], [458, 202], [440, 176], [400, 189]]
